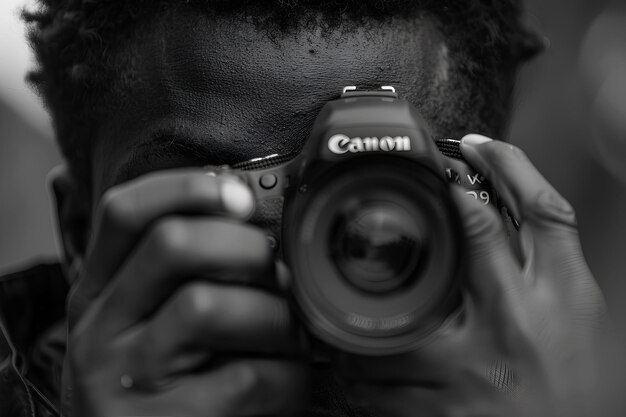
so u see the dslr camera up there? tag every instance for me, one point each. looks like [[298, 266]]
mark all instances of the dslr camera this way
[[364, 219]]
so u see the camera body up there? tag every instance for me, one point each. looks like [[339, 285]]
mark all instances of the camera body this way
[[364, 219]]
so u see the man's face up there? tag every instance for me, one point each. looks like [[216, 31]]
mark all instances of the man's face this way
[[221, 90]]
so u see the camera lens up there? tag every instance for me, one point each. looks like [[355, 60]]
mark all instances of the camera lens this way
[[375, 254], [377, 248]]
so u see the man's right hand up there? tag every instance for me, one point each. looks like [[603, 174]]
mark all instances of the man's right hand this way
[[175, 311]]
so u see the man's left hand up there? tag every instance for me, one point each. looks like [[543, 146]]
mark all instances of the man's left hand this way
[[528, 337]]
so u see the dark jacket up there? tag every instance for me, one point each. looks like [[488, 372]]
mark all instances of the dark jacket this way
[[32, 347], [32, 341]]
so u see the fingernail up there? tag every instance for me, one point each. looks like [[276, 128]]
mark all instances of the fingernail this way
[[474, 139], [236, 197]]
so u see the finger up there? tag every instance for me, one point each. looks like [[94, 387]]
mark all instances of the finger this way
[[127, 210], [204, 319], [550, 241], [494, 275], [247, 387], [525, 191], [178, 250]]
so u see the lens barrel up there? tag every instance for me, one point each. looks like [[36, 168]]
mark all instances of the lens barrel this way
[[374, 245]]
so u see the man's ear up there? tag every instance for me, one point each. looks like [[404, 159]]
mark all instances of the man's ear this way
[[73, 217], [529, 43]]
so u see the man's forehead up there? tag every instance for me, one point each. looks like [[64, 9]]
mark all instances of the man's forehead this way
[[240, 51], [205, 69], [250, 94]]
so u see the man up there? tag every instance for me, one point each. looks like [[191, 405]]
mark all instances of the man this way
[[175, 307]]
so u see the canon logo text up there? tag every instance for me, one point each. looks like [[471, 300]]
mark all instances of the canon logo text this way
[[341, 144]]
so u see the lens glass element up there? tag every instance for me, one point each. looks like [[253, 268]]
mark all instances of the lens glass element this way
[[378, 246]]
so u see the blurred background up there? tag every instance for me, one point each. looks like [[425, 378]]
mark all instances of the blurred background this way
[[27, 152], [570, 118]]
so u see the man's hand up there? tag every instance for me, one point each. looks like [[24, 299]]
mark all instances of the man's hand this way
[[175, 311], [526, 340]]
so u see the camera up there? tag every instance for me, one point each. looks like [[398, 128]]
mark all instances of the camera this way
[[364, 219]]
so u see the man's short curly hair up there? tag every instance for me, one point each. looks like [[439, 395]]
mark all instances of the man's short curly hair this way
[[77, 45]]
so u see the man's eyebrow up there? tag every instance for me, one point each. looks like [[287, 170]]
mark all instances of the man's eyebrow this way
[[164, 146], [166, 142]]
